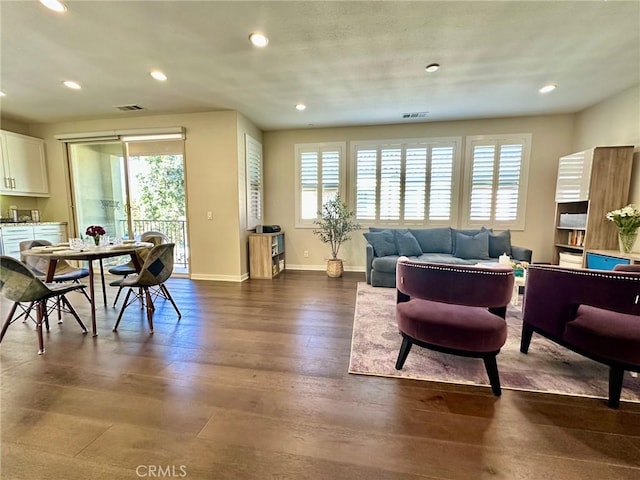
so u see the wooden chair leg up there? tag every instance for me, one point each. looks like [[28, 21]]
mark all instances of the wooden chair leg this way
[[73, 312], [7, 322], [492, 371], [405, 348], [41, 312], [165, 291], [616, 376], [124, 306], [150, 308]]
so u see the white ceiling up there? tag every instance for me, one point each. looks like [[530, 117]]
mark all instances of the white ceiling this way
[[351, 63]]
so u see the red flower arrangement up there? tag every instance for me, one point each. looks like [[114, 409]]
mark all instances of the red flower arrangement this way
[[95, 231]]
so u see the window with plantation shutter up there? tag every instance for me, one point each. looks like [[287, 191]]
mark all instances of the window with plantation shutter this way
[[496, 181], [253, 154], [408, 182], [319, 174]]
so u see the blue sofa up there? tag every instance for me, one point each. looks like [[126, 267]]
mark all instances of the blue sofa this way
[[437, 245]]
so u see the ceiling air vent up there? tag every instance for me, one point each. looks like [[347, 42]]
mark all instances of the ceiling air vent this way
[[415, 115], [128, 108]]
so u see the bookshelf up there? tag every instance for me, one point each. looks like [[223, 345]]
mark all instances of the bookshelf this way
[[266, 255]]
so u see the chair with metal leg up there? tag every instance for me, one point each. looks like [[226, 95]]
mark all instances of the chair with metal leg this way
[[20, 285], [126, 269], [157, 268]]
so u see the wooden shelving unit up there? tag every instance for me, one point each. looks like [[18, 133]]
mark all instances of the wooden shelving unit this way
[[266, 254], [591, 183]]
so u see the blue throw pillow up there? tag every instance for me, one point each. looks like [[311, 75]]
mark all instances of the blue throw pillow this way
[[469, 232], [472, 247], [407, 244], [382, 242], [433, 240], [500, 243]]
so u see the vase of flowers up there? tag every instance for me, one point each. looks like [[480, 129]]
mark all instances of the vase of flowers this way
[[627, 220], [95, 231]]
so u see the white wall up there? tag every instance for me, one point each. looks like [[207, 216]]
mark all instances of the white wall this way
[[552, 137]]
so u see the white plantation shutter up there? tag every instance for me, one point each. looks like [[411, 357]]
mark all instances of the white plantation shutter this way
[[390, 170], [574, 177], [415, 186], [441, 183], [412, 182], [254, 191], [366, 183], [496, 184], [319, 170]]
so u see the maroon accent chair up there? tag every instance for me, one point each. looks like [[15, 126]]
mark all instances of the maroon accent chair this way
[[455, 309], [595, 313]]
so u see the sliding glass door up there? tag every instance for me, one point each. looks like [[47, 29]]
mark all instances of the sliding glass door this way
[[130, 188]]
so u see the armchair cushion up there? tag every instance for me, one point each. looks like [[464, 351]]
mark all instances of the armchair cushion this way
[[611, 335]]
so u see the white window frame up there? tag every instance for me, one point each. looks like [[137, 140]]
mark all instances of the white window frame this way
[[300, 148], [254, 187], [496, 140], [455, 142]]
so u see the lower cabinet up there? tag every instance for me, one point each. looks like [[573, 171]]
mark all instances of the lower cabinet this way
[[266, 254], [13, 235]]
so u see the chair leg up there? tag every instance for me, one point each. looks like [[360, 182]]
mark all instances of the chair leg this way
[[73, 312], [405, 348], [616, 376], [492, 371], [164, 290], [150, 308], [124, 306], [7, 322], [525, 340], [41, 309], [117, 296]]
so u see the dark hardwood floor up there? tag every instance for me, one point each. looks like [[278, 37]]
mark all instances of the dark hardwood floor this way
[[252, 383]]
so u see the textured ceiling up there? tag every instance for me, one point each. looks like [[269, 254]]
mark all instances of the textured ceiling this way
[[351, 63]]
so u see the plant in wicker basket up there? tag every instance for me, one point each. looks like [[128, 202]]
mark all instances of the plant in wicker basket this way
[[335, 224]]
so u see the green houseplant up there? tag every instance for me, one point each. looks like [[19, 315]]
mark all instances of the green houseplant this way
[[335, 224]]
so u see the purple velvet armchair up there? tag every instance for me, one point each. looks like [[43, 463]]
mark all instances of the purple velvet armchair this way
[[456, 309], [595, 313]]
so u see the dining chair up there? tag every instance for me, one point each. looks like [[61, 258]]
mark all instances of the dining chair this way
[[157, 268], [128, 268], [20, 285]]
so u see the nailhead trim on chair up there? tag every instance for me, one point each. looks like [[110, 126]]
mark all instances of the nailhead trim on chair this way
[[483, 271], [590, 273]]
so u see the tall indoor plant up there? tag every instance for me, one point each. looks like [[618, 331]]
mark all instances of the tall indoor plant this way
[[334, 225]]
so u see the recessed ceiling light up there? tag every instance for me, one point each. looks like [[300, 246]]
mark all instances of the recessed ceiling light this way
[[548, 88], [258, 39], [300, 107], [73, 85], [158, 75], [54, 5], [433, 67]]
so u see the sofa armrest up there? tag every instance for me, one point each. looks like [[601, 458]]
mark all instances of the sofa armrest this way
[[521, 253], [369, 262]]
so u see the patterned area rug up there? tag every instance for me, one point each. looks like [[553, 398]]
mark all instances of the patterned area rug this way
[[547, 368]]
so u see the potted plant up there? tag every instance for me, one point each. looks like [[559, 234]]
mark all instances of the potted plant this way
[[334, 225]]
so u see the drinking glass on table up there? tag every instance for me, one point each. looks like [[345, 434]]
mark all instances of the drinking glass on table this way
[[76, 243]]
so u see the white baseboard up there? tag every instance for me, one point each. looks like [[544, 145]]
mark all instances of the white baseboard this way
[[220, 278], [322, 268]]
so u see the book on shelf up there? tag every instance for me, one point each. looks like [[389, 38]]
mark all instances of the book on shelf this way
[[576, 238]]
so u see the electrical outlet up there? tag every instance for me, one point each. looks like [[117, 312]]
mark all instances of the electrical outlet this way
[[306, 254], [209, 215]]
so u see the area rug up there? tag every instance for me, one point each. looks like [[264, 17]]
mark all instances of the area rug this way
[[547, 368]]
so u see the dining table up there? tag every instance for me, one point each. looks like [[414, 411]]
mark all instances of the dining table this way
[[53, 253]]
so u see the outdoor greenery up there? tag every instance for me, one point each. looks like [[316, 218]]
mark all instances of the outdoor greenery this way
[[335, 224], [162, 194]]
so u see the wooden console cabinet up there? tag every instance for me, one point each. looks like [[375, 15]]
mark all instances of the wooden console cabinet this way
[[266, 254]]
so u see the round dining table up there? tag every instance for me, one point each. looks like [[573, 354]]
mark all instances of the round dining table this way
[[89, 254]]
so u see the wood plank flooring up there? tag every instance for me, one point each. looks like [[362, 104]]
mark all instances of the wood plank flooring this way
[[252, 383]]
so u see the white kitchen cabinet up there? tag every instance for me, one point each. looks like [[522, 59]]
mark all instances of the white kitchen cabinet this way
[[12, 235], [24, 166]]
